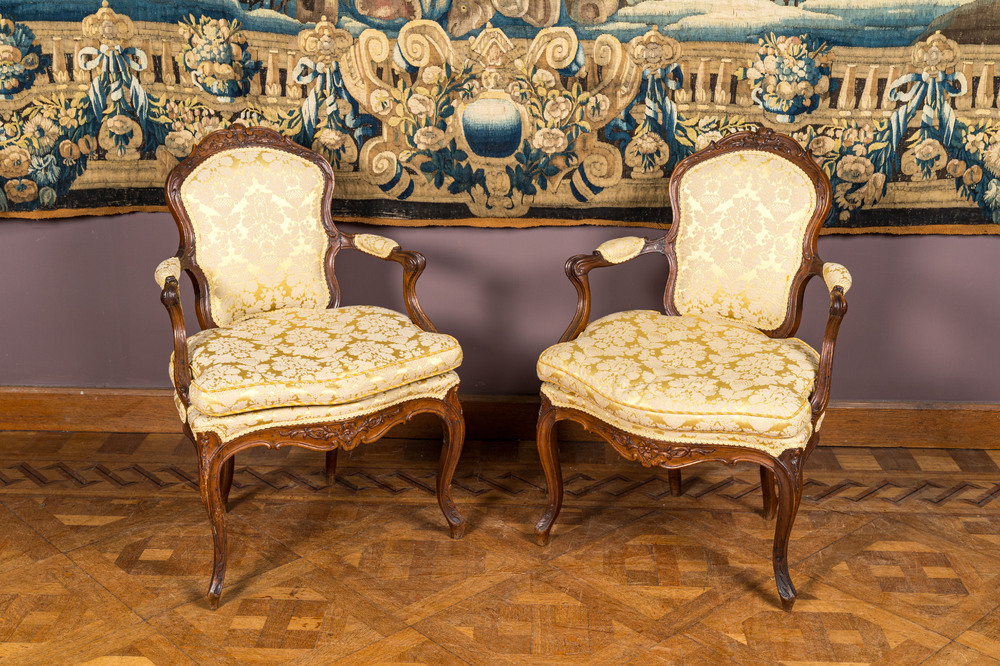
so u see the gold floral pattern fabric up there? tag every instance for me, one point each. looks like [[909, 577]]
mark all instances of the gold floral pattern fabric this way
[[697, 378], [743, 217], [237, 425], [620, 250], [259, 236], [299, 357], [168, 268], [836, 275], [377, 246]]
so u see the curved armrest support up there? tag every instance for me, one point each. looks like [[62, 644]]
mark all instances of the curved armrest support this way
[[838, 281], [610, 253], [413, 264], [167, 276]]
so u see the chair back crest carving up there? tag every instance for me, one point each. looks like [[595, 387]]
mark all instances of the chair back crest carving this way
[[253, 210], [746, 215]]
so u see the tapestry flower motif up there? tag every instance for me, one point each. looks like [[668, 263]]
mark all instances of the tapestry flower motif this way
[[20, 58], [217, 58], [789, 74]]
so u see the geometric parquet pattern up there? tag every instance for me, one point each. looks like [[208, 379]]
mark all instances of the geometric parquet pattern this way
[[105, 554]]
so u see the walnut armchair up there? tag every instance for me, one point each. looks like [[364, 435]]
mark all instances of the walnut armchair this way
[[719, 376], [277, 361]]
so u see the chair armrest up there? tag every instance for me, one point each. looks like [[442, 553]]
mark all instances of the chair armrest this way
[[168, 268], [413, 264], [620, 250], [610, 253], [167, 275], [836, 275], [838, 281], [376, 246]]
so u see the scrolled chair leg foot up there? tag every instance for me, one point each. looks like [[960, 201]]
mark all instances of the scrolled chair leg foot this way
[[543, 530], [783, 581], [457, 529], [214, 592], [218, 576]]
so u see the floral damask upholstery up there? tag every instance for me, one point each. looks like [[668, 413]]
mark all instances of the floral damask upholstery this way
[[229, 428], [259, 238], [305, 357], [694, 378], [739, 241]]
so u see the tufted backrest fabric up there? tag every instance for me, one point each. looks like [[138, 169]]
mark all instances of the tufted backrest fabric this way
[[259, 238], [742, 218]]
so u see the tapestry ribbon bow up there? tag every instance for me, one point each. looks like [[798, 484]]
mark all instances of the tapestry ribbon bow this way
[[306, 71], [660, 109], [329, 88], [932, 92], [116, 65]]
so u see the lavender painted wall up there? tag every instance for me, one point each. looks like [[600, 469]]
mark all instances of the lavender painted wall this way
[[80, 307]]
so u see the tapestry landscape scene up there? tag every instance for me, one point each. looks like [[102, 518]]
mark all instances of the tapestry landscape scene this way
[[508, 112]]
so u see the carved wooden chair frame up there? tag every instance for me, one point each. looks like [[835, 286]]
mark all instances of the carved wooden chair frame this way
[[786, 469], [216, 460]]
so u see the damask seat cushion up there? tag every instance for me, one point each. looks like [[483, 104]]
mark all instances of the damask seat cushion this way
[[237, 425], [692, 378], [311, 357]]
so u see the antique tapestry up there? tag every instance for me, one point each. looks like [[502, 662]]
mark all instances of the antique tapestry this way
[[507, 113]]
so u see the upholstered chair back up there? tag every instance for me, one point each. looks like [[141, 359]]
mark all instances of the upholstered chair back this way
[[744, 234], [257, 232]]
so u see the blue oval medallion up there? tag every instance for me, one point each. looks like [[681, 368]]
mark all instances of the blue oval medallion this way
[[492, 127]]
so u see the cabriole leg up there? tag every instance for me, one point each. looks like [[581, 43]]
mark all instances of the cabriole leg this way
[[548, 452], [788, 475], [209, 482], [767, 490], [454, 438]]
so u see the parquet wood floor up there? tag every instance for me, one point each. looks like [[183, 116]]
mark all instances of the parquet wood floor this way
[[105, 555]]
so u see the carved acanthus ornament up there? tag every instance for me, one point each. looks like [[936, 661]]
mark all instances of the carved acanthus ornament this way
[[654, 454], [345, 435]]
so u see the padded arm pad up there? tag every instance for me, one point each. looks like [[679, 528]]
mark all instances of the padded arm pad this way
[[168, 268], [836, 275], [377, 246], [620, 250]]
